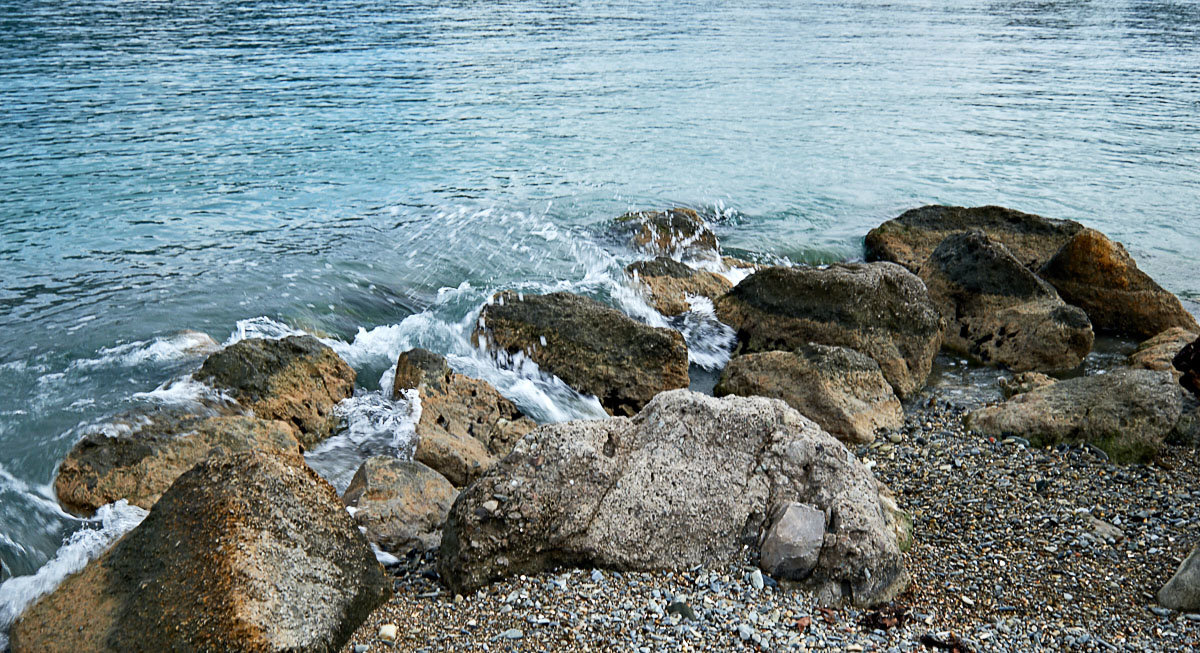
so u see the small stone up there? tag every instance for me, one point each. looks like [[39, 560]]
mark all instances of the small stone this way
[[745, 632], [387, 632], [512, 633], [597, 576], [756, 579], [682, 609], [896, 438], [491, 505], [361, 648]]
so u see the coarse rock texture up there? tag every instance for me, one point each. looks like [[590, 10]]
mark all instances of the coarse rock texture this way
[[465, 424], [1126, 413], [792, 545], [1157, 353], [1099, 276], [668, 284], [295, 379], [912, 237], [1182, 592], [141, 465], [1024, 382], [879, 309], [401, 503], [1000, 313], [627, 494], [1187, 363], [675, 232], [841, 390], [247, 552], [593, 348]]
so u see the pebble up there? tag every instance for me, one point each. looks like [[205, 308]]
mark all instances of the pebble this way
[[756, 579], [387, 632]]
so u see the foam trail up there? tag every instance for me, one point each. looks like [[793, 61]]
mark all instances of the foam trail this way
[[180, 346]]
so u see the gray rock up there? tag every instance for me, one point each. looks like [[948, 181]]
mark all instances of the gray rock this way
[[756, 579], [401, 504], [792, 546], [1182, 592], [1105, 530]]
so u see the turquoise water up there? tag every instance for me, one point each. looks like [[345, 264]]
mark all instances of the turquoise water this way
[[343, 167]]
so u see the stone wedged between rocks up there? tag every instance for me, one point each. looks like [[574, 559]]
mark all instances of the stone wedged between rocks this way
[[675, 232], [1182, 592], [668, 283], [401, 504]]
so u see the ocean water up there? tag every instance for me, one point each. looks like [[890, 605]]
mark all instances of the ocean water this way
[[373, 171]]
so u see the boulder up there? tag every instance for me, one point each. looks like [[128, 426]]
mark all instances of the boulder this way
[[1182, 592], [1024, 382], [401, 504], [295, 379], [247, 552], [676, 232], [140, 464], [840, 389], [465, 424], [879, 309], [1127, 413], [1000, 313], [792, 545], [1187, 363], [593, 348], [1098, 275], [668, 283], [628, 493], [1157, 353]]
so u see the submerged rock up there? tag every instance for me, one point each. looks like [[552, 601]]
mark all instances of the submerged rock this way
[[593, 348], [401, 504], [1157, 353], [247, 552], [669, 283], [1182, 592], [879, 309], [999, 312], [840, 389], [1099, 276], [675, 232], [295, 379], [627, 494]]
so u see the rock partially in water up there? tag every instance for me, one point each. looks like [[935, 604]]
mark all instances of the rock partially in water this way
[[295, 379], [840, 389], [627, 494], [1182, 592], [1127, 413], [999, 312], [879, 309], [141, 465], [247, 552], [1157, 353], [593, 348], [1024, 382], [1099, 276], [402, 504], [668, 284], [676, 232]]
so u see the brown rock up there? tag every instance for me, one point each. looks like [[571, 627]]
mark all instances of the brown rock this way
[[1024, 382], [675, 232], [1158, 352], [669, 283], [402, 504]]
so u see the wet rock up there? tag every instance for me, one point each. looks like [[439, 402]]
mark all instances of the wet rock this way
[[1187, 363], [140, 464], [792, 545], [1126, 413], [251, 551], [1098, 275], [295, 379], [593, 348], [465, 424], [999, 312], [401, 504], [626, 494], [675, 232], [668, 284], [879, 309], [1182, 592], [1024, 382], [1158, 352], [840, 389]]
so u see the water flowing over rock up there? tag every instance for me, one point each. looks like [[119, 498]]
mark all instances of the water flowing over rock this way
[[1099, 276], [1157, 353], [593, 348], [402, 504], [879, 309], [295, 379], [141, 465], [628, 494], [1127, 413], [1182, 592], [669, 283], [247, 552], [465, 423], [840, 389], [999, 312], [676, 232]]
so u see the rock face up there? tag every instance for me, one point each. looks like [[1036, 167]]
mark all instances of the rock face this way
[[1127, 413], [141, 466], [591, 347], [675, 232], [628, 494], [248, 552], [1187, 363], [792, 545], [669, 283], [1158, 352], [296, 379], [879, 309], [1099, 276], [1182, 592], [841, 390], [465, 424], [912, 237], [999, 312], [1024, 382], [402, 504]]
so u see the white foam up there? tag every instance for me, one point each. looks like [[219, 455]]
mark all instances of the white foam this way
[[375, 426], [709, 342], [261, 327], [180, 346], [185, 392]]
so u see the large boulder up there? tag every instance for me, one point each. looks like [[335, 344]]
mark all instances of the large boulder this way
[[1157, 353], [593, 348], [1099, 276], [295, 379], [668, 283], [465, 424], [840, 389], [912, 237], [879, 309], [152, 451], [1182, 592], [676, 232], [401, 503], [1187, 363], [1000, 313], [1127, 413], [247, 552], [628, 494]]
